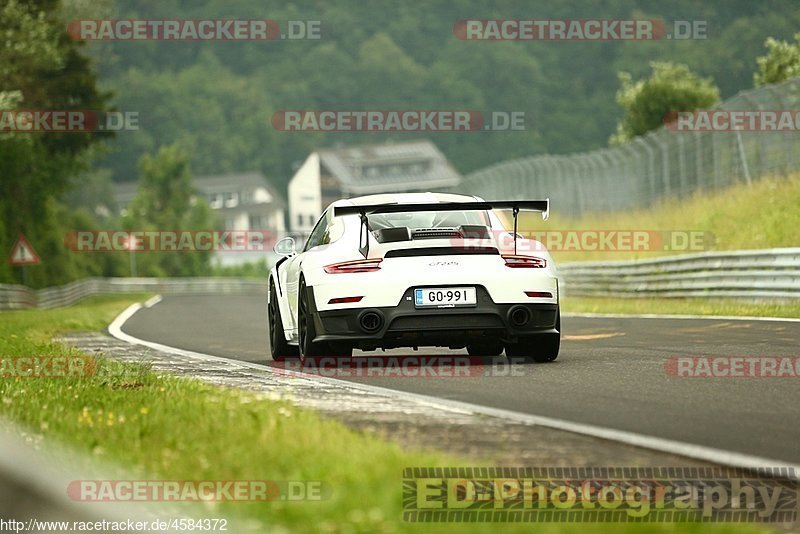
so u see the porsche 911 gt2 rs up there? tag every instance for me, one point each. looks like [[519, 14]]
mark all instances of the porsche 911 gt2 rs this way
[[412, 270]]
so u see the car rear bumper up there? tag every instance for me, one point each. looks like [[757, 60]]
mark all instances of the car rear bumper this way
[[405, 325]]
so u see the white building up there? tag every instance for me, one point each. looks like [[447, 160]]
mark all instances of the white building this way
[[330, 174]]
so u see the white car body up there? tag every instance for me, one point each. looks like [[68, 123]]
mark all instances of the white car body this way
[[425, 261]]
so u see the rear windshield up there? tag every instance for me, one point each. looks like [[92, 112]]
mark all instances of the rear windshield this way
[[428, 219]]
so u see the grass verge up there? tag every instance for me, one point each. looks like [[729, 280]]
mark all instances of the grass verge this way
[[765, 214], [163, 427], [680, 306]]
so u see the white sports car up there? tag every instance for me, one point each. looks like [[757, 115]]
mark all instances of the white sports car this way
[[411, 270]]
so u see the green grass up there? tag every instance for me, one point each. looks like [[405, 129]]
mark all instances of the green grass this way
[[164, 427], [764, 215], [680, 306], [259, 270]]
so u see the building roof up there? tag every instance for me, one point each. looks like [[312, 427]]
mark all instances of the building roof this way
[[125, 192], [225, 181], [406, 166]]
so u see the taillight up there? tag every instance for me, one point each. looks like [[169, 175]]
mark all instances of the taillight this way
[[539, 294], [525, 262], [355, 266], [345, 300]]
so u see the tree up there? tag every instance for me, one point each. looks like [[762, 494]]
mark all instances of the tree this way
[[670, 88], [42, 68], [166, 201], [781, 62]]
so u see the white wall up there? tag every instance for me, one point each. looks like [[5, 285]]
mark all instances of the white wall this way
[[305, 195]]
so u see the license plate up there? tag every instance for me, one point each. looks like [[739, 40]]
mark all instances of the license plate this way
[[444, 297]]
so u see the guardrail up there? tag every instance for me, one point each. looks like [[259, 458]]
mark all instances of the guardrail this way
[[769, 273], [18, 297]]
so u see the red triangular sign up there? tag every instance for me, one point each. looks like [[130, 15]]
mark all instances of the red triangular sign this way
[[23, 253]]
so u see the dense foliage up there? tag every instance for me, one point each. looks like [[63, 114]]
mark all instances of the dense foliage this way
[[41, 68], [647, 103], [781, 62], [216, 98]]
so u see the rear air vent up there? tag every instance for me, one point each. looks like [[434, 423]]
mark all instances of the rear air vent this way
[[439, 251], [392, 235], [436, 233]]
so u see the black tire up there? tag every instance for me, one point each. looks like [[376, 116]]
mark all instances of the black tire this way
[[279, 349], [306, 330], [540, 348], [486, 348]]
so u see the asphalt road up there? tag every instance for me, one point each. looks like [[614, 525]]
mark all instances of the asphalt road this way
[[610, 373]]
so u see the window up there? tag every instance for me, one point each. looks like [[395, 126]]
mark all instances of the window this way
[[258, 222], [319, 235], [299, 220], [428, 219], [231, 199]]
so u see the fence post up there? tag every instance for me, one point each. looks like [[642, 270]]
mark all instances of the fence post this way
[[664, 164], [651, 167]]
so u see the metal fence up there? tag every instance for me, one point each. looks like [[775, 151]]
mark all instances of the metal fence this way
[[662, 163], [755, 274]]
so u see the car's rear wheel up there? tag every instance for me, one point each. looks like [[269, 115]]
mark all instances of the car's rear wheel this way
[[279, 349], [540, 348], [307, 332]]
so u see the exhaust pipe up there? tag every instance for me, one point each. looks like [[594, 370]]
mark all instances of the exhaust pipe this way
[[370, 321], [519, 316]]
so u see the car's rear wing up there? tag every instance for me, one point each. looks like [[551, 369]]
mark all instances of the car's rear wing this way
[[366, 210]]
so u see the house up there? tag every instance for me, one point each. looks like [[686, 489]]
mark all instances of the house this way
[[243, 201], [330, 174]]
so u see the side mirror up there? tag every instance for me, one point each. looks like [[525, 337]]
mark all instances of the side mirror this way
[[285, 247]]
